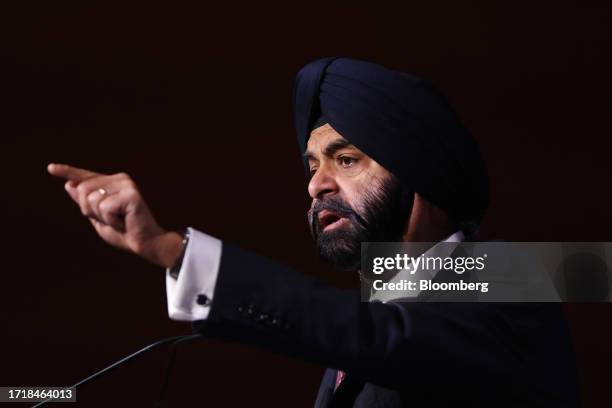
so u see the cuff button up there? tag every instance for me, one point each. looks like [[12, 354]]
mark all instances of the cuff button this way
[[250, 310], [203, 300]]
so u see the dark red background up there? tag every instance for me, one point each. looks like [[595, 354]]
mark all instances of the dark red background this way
[[195, 103]]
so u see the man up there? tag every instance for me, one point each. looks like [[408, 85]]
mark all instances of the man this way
[[388, 161]]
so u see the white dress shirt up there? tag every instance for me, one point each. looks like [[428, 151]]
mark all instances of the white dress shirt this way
[[198, 276]]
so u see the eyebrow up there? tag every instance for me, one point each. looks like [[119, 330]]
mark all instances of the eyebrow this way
[[330, 149]]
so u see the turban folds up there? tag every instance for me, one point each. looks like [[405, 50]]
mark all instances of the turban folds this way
[[400, 121]]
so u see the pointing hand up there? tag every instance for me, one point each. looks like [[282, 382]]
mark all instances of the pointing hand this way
[[119, 213]]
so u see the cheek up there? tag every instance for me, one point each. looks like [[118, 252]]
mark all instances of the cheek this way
[[364, 189], [353, 194]]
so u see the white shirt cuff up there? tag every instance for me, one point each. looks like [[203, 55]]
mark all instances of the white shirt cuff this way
[[197, 278]]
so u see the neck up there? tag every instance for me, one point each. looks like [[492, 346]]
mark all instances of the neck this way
[[427, 223]]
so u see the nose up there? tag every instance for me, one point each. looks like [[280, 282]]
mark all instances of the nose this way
[[322, 183]]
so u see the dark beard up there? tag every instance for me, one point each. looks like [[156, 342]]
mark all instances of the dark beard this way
[[386, 210]]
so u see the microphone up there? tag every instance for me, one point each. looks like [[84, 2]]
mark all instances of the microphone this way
[[175, 341]]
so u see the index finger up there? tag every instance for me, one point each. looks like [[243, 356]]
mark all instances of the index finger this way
[[71, 173]]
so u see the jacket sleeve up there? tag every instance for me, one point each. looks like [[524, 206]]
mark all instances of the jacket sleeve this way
[[262, 303]]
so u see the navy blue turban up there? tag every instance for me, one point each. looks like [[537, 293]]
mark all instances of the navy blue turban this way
[[400, 121]]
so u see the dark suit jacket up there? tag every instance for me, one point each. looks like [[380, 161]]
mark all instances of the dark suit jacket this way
[[395, 354]]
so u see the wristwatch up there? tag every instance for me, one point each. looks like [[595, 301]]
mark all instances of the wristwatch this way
[[174, 271]]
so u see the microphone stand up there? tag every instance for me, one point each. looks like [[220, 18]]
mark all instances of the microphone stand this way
[[173, 340]]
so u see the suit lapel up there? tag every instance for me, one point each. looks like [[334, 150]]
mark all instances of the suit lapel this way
[[326, 388], [347, 392]]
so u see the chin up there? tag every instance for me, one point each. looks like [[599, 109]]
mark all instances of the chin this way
[[340, 249]]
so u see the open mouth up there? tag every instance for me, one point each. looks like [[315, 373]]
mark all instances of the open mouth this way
[[329, 220]]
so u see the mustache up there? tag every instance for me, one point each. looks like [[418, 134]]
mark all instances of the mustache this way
[[335, 205]]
